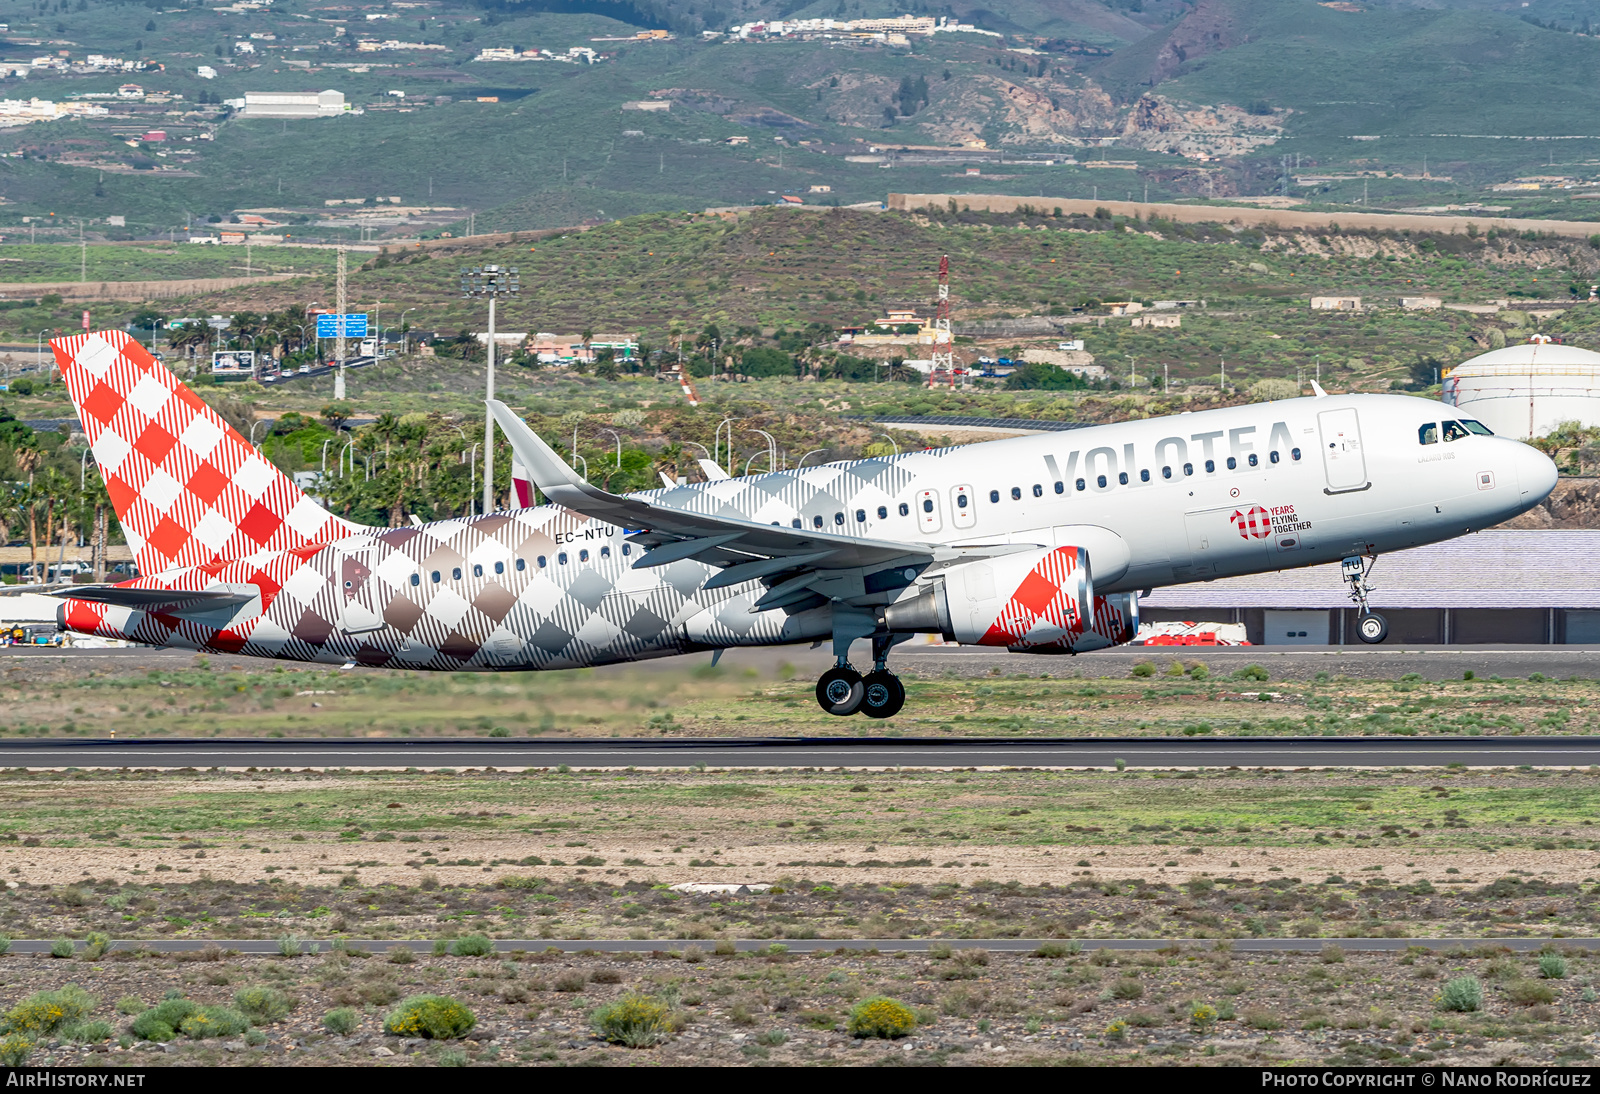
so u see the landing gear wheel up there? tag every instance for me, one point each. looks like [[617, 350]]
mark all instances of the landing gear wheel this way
[[1371, 628], [840, 691], [883, 694]]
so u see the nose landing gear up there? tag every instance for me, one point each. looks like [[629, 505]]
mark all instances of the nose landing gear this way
[[843, 691], [1371, 627]]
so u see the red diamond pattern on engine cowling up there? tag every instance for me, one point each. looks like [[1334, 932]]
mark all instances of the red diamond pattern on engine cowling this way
[[187, 489], [1044, 600]]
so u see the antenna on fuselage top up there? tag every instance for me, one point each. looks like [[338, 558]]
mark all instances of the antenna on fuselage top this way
[[1317, 390]]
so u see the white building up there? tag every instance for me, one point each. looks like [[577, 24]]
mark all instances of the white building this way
[[294, 104], [1529, 389], [206, 72]]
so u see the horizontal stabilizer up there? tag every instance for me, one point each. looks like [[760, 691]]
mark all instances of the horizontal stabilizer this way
[[164, 601]]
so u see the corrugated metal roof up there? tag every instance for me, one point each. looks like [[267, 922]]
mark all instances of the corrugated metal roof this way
[[1494, 569]]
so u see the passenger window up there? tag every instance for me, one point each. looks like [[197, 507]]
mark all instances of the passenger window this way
[[795, 522], [1061, 487], [1166, 472], [562, 558], [1274, 457], [1123, 478], [961, 501], [838, 518], [1081, 485], [416, 579], [905, 510], [1477, 427], [522, 564], [1428, 434], [816, 521], [1188, 469], [1211, 467], [542, 561], [861, 515], [1294, 454], [435, 576], [1454, 431], [1038, 491], [605, 552], [994, 497], [627, 549], [455, 574], [499, 567], [1100, 481], [927, 505], [1253, 460], [1233, 464], [883, 512], [1144, 475], [1016, 493], [583, 555]]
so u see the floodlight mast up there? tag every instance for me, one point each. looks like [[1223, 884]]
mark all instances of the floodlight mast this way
[[493, 282]]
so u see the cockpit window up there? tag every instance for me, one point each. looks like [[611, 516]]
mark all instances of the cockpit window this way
[[1454, 431], [1428, 434], [1477, 427]]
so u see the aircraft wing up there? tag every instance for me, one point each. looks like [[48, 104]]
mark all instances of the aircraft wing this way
[[745, 550]]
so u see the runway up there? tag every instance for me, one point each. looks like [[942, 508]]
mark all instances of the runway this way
[[269, 946], [768, 752]]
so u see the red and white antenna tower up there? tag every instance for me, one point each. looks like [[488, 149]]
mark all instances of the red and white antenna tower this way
[[943, 341]]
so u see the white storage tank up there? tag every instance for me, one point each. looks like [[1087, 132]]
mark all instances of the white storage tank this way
[[1529, 389]]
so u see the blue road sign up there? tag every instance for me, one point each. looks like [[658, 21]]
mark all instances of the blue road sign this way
[[354, 323]]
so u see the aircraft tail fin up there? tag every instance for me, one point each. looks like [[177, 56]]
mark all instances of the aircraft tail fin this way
[[187, 489]]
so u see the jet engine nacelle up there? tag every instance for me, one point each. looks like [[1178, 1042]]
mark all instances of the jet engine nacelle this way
[[1039, 601]]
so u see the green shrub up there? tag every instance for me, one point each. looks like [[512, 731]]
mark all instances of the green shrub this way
[[1117, 1030], [1127, 989], [5, 943], [435, 1016], [213, 1021], [1059, 949], [14, 1050], [96, 945], [401, 955], [62, 947], [161, 1022], [1552, 966], [452, 1057], [341, 1020], [46, 1011], [131, 1004], [881, 1016], [289, 945], [1263, 1019], [472, 945], [263, 1004], [1144, 668], [441, 947], [88, 1032], [1464, 993], [637, 1021], [1252, 672], [1528, 993], [1203, 1015]]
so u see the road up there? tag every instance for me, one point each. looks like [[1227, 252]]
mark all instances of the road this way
[[758, 752], [827, 945], [1282, 662]]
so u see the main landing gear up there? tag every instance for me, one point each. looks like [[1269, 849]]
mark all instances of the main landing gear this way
[[1370, 626], [879, 694]]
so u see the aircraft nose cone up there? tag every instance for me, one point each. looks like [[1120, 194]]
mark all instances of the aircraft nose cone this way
[[1536, 474]]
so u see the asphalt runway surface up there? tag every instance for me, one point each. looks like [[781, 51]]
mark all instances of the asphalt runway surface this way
[[1290, 663], [794, 752], [259, 946]]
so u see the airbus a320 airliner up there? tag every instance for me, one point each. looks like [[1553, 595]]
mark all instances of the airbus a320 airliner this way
[[1038, 544]]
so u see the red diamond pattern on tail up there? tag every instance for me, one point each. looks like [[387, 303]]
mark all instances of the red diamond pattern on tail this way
[[187, 489]]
